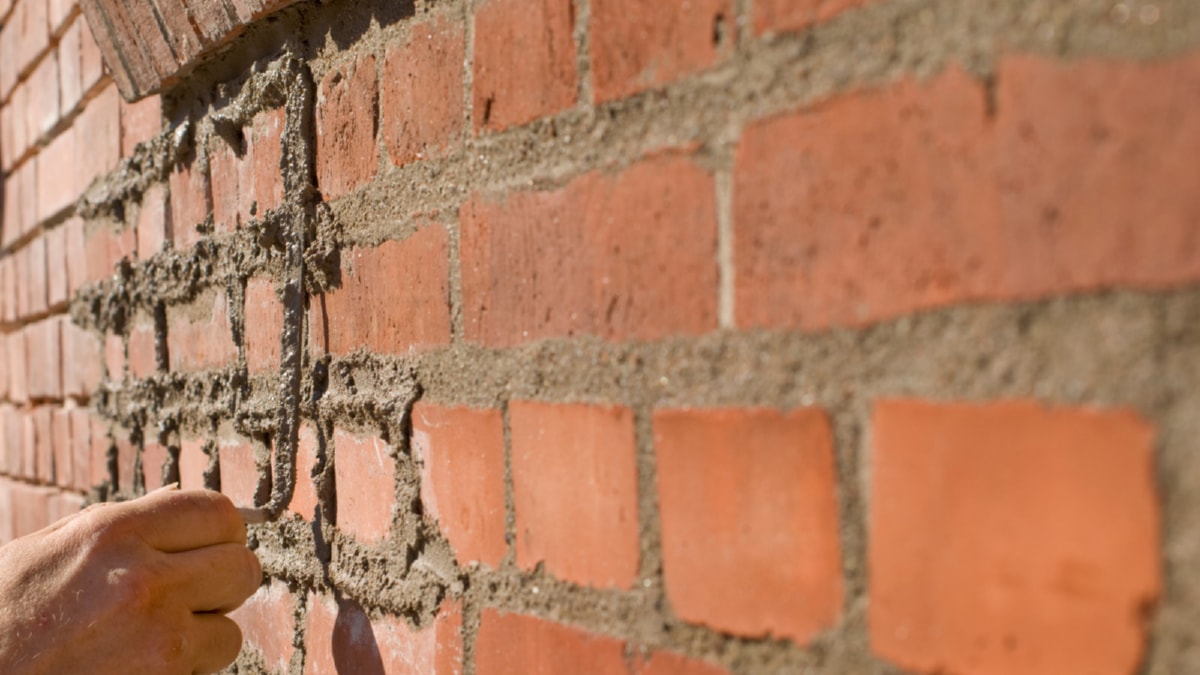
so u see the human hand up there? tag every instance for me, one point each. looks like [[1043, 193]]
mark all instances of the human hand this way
[[134, 587]]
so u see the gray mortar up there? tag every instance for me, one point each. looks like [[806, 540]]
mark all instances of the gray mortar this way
[[1143, 349]]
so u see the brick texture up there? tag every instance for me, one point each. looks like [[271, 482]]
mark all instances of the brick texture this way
[[514, 644], [574, 479], [750, 494], [200, 336], [373, 308], [267, 620], [1010, 537], [641, 44], [346, 128], [342, 639], [264, 326], [462, 477], [421, 104], [364, 473], [240, 471], [783, 15], [524, 64], [637, 261]]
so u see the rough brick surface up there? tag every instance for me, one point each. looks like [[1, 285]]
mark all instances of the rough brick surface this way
[[43, 351], [915, 184], [191, 201], [264, 325], [153, 222], [342, 639], [346, 125], [238, 462], [782, 15], [266, 151], [574, 477], [514, 644], [524, 64], [394, 298], [193, 463], [641, 44], [140, 122], [1010, 537], [154, 460], [624, 256], [461, 451], [304, 496], [200, 336], [421, 105], [267, 620], [364, 471], [97, 138], [750, 494]]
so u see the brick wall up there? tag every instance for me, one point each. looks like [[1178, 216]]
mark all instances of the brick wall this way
[[729, 336]]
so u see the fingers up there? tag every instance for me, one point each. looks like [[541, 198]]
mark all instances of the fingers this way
[[217, 642], [215, 578], [174, 521]]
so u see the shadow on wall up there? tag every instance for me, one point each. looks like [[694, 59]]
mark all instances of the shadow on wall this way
[[354, 647]]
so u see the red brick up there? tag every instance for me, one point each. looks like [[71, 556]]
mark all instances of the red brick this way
[[304, 495], [193, 463], [140, 122], [268, 621], [201, 336], [23, 134], [461, 451], [61, 447], [524, 61], [944, 204], [43, 350], [574, 475], [393, 299], [31, 508], [20, 202], [266, 146], [8, 148], [771, 16], [29, 445], [347, 153], [342, 639], [126, 460], [14, 439], [239, 471], [142, 360], [32, 35], [638, 260], [43, 441], [56, 267], [7, 507], [55, 195], [31, 269], [1011, 537], [154, 459], [364, 475], [91, 69], [668, 663], [83, 361], [191, 202], [4, 359], [81, 449], [642, 44], [513, 644], [43, 111], [63, 504], [18, 367], [232, 173], [153, 222], [77, 260], [98, 137], [264, 326], [421, 109], [114, 357], [8, 289], [8, 54], [100, 440], [750, 494], [70, 67]]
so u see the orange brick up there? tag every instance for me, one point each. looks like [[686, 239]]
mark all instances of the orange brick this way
[[346, 153], [524, 61], [637, 261], [70, 64], [56, 267], [83, 361], [268, 621], [56, 161], [191, 202], [266, 146], [394, 298], [1010, 537], [143, 361], [462, 478], [574, 474], [232, 173], [43, 351], [421, 107], [201, 336], [342, 639], [62, 447], [364, 475], [514, 644], [304, 495], [642, 44], [193, 463], [240, 471], [750, 494], [140, 122], [81, 449], [153, 222], [43, 443], [97, 137], [264, 325]]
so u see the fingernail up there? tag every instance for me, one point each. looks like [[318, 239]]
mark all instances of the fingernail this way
[[170, 487]]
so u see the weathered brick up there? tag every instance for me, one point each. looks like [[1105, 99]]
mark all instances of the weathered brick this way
[[142, 359], [461, 451], [238, 461], [642, 44], [1011, 537], [153, 222], [56, 191], [524, 64], [200, 336], [83, 360], [77, 259], [43, 443], [264, 325], [364, 475], [750, 492], [91, 68], [70, 67], [140, 122], [154, 460], [515, 644], [31, 272], [625, 256], [81, 449], [304, 495], [266, 148], [945, 204], [43, 105], [101, 442], [56, 267], [43, 350], [126, 454], [18, 367], [342, 639], [114, 357], [193, 463], [421, 107], [394, 298], [20, 202], [268, 621], [574, 476], [232, 173], [347, 153], [98, 137], [14, 438], [191, 201], [669, 663]]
